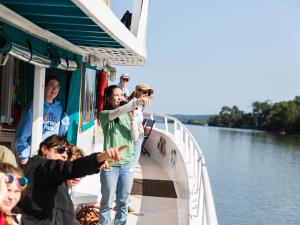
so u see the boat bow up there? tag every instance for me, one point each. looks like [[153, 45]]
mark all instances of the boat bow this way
[[173, 145]]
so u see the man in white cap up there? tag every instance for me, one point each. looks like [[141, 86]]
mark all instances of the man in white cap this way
[[123, 84]]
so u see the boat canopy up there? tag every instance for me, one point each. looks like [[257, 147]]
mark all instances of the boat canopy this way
[[87, 28]]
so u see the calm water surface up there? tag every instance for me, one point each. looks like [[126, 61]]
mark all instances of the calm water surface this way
[[255, 175]]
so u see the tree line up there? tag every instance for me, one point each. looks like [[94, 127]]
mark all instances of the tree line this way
[[193, 121], [281, 117]]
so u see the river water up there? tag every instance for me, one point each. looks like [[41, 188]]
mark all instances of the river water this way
[[255, 176]]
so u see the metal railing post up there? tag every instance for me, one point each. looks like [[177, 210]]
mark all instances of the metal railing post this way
[[166, 125], [181, 135], [152, 118], [186, 141]]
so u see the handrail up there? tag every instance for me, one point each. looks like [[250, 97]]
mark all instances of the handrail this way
[[199, 185]]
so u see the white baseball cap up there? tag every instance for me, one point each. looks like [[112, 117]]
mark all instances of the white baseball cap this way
[[125, 76]]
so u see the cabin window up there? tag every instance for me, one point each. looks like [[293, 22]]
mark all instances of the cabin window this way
[[16, 90]]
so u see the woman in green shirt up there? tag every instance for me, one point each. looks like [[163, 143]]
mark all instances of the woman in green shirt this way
[[117, 127]]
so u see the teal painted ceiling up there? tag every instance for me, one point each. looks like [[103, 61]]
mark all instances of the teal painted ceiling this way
[[64, 19]]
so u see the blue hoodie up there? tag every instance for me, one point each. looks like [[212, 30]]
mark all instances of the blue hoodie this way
[[55, 121]]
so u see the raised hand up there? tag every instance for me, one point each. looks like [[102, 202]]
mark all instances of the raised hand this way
[[112, 154], [146, 100]]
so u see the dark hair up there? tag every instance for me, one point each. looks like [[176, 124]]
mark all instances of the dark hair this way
[[53, 141], [132, 95], [107, 94], [50, 77]]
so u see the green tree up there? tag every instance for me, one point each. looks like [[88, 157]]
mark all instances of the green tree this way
[[260, 111], [191, 121], [202, 122], [225, 116], [236, 117], [282, 117], [214, 120]]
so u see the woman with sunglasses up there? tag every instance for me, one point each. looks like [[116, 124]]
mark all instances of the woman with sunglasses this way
[[117, 128], [46, 200], [15, 183], [141, 91], [145, 91]]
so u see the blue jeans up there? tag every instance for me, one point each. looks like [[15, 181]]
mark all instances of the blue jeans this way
[[137, 145], [117, 182]]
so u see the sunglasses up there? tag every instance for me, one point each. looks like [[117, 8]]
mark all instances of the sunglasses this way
[[145, 91], [21, 180], [125, 79], [63, 149]]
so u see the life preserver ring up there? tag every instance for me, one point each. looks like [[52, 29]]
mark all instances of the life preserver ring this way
[[102, 84]]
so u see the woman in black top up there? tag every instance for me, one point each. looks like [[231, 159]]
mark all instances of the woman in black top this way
[[46, 200]]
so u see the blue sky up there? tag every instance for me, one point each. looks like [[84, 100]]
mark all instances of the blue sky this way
[[203, 54]]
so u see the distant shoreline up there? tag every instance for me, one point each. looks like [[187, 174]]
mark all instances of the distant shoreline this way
[[183, 118]]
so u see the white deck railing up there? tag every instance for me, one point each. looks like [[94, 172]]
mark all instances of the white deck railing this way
[[201, 204]]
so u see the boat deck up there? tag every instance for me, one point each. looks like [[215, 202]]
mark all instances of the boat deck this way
[[151, 209]]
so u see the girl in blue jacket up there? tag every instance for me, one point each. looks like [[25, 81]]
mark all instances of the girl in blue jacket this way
[[55, 120]]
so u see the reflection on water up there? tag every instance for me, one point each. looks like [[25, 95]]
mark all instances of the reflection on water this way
[[255, 175]]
